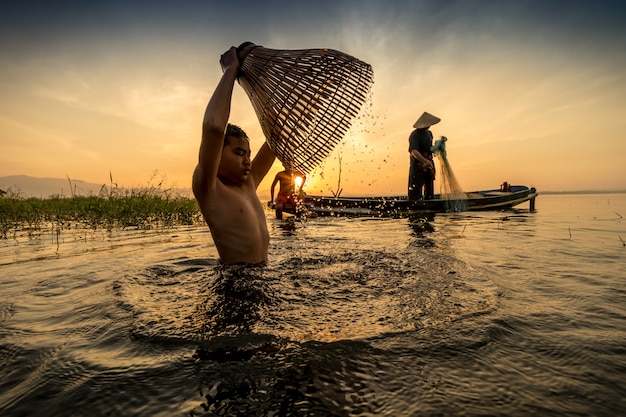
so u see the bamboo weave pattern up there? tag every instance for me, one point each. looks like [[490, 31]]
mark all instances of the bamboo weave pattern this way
[[305, 100]]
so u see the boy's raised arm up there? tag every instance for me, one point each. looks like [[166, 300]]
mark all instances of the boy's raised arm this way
[[214, 125], [262, 163]]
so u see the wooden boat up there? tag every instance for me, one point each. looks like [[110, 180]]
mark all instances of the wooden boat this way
[[506, 196]]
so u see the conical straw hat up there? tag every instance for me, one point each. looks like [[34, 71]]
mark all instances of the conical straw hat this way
[[426, 120], [305, 100]]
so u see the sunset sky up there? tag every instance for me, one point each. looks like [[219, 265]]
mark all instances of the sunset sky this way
[[529, 92]]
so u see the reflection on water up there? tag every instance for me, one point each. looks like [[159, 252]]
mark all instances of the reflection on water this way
[[457, 314], [290, 225], [422, 226], [235, 300]]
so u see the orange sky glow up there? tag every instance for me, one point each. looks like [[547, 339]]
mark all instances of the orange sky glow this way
[[526, 94]]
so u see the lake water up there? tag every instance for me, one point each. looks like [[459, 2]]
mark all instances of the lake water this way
[[477, 314]]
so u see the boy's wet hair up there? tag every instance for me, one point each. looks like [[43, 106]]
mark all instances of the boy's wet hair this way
[[235, 132]]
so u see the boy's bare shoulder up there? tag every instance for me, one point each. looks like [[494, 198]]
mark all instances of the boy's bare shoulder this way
[[198, 178]]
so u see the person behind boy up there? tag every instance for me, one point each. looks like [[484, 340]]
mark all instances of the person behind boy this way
[[287, 193], [422, 169], [225, 179]]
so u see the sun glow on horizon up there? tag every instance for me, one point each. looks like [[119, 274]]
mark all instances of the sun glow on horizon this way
[[523, 98], [298, 180]]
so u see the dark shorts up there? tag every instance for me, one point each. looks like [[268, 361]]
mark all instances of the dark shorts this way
[[285, 199], [421, 182]]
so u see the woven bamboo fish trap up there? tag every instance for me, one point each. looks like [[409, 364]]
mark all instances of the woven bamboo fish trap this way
[[305, 100]]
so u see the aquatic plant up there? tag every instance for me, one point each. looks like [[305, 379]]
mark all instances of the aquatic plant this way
[[145, 208]]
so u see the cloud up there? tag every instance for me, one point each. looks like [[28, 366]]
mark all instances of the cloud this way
[[135, 76]]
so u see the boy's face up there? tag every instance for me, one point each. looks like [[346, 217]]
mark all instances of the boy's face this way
[[235, 163]]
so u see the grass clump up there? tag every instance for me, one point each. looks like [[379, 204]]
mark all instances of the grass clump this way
[[114, 208]]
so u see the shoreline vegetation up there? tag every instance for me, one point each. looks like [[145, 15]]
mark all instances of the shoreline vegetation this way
[[151, 207]]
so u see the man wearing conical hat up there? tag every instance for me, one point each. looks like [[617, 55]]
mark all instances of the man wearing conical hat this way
[[422, 168]]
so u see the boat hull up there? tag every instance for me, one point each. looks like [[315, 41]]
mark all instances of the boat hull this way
[[400, 206]]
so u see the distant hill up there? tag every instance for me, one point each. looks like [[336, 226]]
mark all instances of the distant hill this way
[[46, 187], [584, 192], [26, 186]]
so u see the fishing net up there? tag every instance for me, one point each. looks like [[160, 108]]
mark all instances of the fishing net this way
[[305, 100], [450, 189]]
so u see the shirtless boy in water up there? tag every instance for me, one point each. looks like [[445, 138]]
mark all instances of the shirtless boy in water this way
[[225, 180]]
